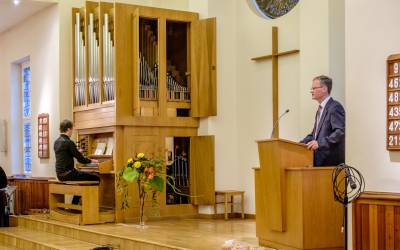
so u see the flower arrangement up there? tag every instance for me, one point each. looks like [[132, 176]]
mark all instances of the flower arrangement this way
[[149, 177]]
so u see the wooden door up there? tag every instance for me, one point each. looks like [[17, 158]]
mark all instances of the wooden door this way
[[202, 170], [203, 68]]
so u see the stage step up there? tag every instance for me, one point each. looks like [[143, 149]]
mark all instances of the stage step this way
[[95, 234], [23, 238], [168, 234]]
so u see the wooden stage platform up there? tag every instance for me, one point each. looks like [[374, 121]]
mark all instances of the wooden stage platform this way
[[39, 232]]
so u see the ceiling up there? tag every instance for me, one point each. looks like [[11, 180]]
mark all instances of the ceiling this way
[[11, 14]]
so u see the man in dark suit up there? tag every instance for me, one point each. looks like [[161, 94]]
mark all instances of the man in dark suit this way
[[327, 137]]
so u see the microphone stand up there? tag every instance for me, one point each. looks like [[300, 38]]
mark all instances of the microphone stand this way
[[346, 201], [277, 122]]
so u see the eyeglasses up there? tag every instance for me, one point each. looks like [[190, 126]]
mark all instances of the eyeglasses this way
[[314, 88]]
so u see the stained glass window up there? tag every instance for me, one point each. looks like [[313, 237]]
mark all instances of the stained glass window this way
[[26, 115], [27, 147], [26, 77]]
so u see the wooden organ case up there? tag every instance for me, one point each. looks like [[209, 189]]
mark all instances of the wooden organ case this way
[[143, 77]]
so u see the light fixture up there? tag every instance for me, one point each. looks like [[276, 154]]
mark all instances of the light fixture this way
[[16, 2]]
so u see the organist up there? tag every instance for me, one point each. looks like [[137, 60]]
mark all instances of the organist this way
[[65, 150]]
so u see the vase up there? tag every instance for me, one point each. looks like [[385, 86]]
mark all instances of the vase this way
[[142, 199]]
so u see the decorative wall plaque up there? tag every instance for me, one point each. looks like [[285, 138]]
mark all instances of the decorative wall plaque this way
[[271, 9]]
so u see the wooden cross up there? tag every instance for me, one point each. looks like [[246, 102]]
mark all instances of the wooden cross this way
[[274, 56]]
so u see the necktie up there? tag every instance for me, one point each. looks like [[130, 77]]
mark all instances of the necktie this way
[[317, 118]]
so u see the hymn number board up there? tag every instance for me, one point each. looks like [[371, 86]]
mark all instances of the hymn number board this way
[[43, 136], [393, 103]]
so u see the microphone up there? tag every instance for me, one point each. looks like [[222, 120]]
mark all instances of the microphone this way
[[277, 122], [348, 176]]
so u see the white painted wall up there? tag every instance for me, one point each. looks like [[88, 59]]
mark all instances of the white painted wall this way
[[369, 41], [254, 88], [36, 38]]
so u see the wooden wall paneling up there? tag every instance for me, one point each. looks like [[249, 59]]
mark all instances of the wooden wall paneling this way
[[396, 227], [376, 221], [381, 218], [373, 227], [365, 226], [40, 194], [202, 169], [356, 222], [25, 195], [31, 193], [389, 228]]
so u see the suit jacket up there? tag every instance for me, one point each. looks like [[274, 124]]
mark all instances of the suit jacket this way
[[330, 136]]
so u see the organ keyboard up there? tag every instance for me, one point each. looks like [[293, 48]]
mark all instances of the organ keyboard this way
[[104, 166]]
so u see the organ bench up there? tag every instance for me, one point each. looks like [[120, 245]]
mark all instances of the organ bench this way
[[87, 212]]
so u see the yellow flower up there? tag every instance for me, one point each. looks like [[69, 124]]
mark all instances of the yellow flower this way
[[140, 155], [130, 160], [137, 164]]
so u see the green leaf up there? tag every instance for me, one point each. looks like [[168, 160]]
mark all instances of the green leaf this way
[[130, 174], [147, 187], [158, 182]]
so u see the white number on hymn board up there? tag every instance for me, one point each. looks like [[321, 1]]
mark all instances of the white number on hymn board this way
[[394, 126], [394, 97], [394, 111], [394, 83], [394, 140], [396, 68]]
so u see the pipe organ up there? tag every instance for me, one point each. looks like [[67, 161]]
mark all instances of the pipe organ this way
[[108, 59], [93, 52], [148, 59], [79, 61], [142, 78], [176, 90]]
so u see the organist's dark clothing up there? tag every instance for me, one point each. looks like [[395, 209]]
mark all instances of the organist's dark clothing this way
[[66, 151], [4, 218]]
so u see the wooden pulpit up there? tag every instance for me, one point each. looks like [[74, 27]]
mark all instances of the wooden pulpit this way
[[295, 208]]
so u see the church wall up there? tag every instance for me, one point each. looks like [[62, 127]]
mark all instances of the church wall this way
[[36, 38], [314, 27], [370, 39], [223, 126], [254, 88]]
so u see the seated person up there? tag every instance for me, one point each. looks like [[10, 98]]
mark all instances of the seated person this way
[[4, 219], [65, 150]]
